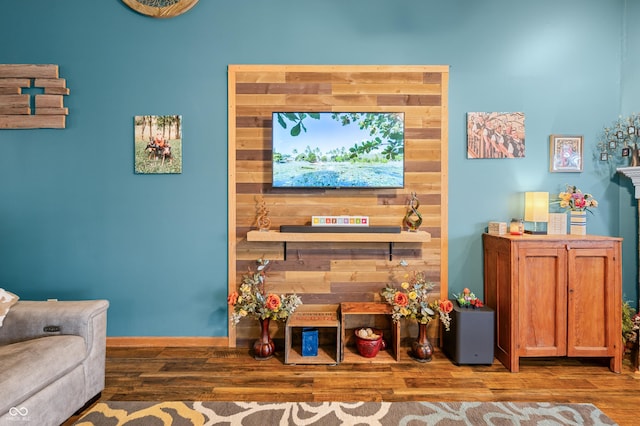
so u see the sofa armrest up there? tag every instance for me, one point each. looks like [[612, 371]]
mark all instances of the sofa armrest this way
[[28, 319], [88, 319]]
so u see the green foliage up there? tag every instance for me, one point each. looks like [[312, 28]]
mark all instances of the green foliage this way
[[627, 322], [297, 119], [385, 131], [144, 164]]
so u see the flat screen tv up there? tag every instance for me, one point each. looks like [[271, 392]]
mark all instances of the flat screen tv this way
[[338, 149]]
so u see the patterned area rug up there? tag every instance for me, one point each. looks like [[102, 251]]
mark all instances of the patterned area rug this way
[[139, 413]]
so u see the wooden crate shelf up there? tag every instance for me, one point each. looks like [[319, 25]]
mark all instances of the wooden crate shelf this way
[[325, 319], [366, 310]]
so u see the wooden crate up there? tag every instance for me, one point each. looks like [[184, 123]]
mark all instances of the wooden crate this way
[[362, 313], [325, 319]]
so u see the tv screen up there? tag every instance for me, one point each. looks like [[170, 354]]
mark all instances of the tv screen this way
[[338, 149]]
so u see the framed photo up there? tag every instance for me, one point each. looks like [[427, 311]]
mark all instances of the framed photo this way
[[612, 145], [631, 130], [604, 156], [495, 135], [566, 153], [619, 134], [157, 142], [625, 152]]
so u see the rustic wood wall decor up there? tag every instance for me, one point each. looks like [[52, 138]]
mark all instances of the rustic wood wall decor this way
[[328, 272], [17, 111], [161, 8]]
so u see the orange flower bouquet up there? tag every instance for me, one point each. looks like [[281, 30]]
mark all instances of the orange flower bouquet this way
[[412, 300], [253, 300]]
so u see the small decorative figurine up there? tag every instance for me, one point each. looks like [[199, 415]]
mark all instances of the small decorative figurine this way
[[263, 220], [413, 219]]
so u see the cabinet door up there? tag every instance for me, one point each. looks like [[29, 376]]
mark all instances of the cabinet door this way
[[542, 301], [592, 298]]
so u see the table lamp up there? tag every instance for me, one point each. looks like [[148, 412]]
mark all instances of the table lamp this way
[[536, 210]]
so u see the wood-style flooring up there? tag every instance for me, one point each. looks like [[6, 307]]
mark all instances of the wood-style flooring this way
[[228, 374]]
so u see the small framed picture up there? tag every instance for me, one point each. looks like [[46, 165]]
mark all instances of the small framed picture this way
[[612, 145], [157, 142], [604, 156], [620, 134], [625, 152], [631, 130], [566, 153]]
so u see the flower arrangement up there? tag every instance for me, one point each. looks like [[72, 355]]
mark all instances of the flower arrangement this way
[[412, 301], [254, 301], [630, 323], [467, 299], [576, 200]]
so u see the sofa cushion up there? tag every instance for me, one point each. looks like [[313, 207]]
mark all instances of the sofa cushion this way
[[29, 366]]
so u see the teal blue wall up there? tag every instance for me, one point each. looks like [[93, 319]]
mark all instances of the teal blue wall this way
[[630, 104], [76, 222]]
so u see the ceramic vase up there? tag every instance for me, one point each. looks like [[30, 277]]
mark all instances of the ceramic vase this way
[[421, 348], [369, 348], [263, 348], [578, 222]]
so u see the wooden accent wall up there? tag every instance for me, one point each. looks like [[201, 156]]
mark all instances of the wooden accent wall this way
[[324, 273]]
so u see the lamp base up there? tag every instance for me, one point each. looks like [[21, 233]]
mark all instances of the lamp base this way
[[536, 228]]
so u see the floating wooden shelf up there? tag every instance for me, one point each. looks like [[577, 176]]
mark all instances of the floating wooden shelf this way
[[339, 237], [350, 237]]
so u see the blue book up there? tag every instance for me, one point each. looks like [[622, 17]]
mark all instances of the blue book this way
[[309, 342]]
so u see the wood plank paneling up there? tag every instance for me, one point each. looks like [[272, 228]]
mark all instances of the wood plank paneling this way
[[15, 110], [28, 70], [14, 101], [32, 121], [15, 82], [335, 272], [48, 101], [10, 90]]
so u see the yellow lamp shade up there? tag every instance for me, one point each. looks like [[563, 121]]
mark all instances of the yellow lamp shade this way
[[536, 206]]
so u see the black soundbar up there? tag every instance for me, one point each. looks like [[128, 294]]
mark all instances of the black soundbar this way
[[342, 229]]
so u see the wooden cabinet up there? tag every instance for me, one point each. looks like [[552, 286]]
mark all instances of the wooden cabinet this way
[[554, 295]]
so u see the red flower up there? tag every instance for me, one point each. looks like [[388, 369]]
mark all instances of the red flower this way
[[479, 303], [401, 299], [273, 302], [446, 306], [579, 200], [233, 298]]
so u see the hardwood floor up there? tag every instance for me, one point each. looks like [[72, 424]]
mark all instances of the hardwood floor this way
[[224, 374]]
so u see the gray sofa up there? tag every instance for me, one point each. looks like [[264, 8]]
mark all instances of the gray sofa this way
[[52, 360]]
